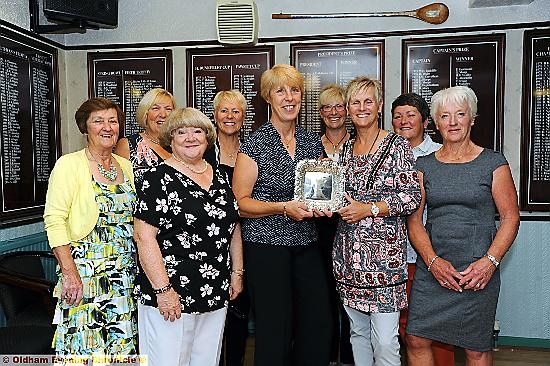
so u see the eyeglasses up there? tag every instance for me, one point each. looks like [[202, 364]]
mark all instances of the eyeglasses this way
[[328, 107]]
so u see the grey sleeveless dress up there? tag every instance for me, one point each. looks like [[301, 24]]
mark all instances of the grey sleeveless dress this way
[[461, 227]]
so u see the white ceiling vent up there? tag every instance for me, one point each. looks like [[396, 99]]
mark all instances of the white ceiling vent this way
[[237, 22]]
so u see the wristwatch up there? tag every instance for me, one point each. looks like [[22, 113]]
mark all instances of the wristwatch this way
[[375, 210]]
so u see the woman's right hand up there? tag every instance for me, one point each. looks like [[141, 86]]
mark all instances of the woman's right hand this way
[[297, 210], [169, 305], [71, 286], [446, 274]]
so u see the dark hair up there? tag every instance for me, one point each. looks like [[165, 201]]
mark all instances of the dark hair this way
[[414, 100], [93, 105]]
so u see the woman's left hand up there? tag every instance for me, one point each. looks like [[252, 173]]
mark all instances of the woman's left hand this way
[[354, 212], [236, 286], [478, 274]]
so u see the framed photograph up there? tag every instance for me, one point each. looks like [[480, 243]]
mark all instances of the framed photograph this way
[[319, 184]]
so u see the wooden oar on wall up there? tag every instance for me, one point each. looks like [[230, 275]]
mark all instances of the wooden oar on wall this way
[[435, 13]]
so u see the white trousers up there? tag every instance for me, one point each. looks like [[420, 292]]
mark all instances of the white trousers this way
[[374, 338], [192, 340]]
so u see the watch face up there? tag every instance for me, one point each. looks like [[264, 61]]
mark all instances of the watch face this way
[[374, 209]]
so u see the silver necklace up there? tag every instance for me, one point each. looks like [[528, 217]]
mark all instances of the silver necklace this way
[[110, 174], [189, 167]]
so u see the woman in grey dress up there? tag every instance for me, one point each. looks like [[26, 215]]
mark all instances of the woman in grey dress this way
[[456, 285]]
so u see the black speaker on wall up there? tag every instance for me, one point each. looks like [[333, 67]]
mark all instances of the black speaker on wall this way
[[95, 13]]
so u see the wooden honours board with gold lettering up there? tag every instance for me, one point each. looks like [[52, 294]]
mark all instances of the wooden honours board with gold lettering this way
[[333, 63], [535, 143], [432, 64], [210, 70], [124, 77], [29, 138]]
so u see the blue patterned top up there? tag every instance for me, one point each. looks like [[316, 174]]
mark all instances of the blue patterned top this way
[[275, 183]]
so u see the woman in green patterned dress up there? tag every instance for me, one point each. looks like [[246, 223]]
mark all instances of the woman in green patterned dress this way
[[88, 219]]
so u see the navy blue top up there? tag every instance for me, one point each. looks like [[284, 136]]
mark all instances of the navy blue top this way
[[275, 183]]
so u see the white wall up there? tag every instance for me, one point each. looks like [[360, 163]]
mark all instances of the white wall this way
[[525, 297]]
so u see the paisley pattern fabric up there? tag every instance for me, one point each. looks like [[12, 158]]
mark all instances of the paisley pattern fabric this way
[[142, 157], [370, 257], [104, 321]]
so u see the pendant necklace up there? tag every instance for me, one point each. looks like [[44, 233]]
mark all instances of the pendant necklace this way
[[156, 142], [110, 174], [200, 171], [335, 146], [459, 156], [374, 142], [287, 143]]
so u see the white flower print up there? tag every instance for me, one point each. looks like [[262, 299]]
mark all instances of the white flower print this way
[[145, 184], [196, 239], [165, 222], [225, 285], [184, 239], [221, 242], [198, 256], [220, 258], [213, 211], [213, 229], [166, 244], [190, 218], [195, 194], [143, 206], [184, 280], [206, 290], [161, 205], [188, 300], [221, 200], [208, 271]]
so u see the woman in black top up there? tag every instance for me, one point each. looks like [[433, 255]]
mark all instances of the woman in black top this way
[[186, 229]]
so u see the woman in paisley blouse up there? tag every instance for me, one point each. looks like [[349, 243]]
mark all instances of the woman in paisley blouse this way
[[88, 218], [189, 246], [370, 249], [143, 149], [286, 277]]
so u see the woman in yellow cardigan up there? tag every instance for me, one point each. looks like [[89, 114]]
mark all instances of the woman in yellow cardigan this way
[[88, 219]]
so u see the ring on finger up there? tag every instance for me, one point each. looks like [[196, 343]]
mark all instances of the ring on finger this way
[[445, 283], [478, 284]]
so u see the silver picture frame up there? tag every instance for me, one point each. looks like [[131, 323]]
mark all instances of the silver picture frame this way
[[319, 184]]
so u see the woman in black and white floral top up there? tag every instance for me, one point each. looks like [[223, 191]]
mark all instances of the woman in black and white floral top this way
[[188, 240]]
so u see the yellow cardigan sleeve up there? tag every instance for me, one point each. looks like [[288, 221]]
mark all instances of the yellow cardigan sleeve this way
[[60, 196]]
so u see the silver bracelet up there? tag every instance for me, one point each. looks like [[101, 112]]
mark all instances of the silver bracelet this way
[[492, 259], [432, 262]]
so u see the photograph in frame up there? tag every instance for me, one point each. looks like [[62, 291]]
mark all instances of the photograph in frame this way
[[319, 184]]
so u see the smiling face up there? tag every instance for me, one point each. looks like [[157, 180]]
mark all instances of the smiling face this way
[[102, 127], [157, 114], [334, 114], [454, 121], [407, 122], [189, 143], [285, 103], [363, 108], [229, 118]]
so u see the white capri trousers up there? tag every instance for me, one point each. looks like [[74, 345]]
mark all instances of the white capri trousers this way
[[374, 338], [192, 340]]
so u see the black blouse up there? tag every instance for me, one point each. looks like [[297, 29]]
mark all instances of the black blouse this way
[[195, 230]]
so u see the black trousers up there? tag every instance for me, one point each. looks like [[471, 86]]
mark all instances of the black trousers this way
[[289, 294]]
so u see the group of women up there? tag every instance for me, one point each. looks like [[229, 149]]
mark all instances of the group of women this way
[[206, 208]]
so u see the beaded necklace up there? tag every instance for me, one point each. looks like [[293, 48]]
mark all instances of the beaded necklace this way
[[110, 174]]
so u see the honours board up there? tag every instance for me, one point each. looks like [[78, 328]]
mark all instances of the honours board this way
[[29, 138], [124, 77], [210, 70], [535, 145], [432, 64], [333, 63]]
